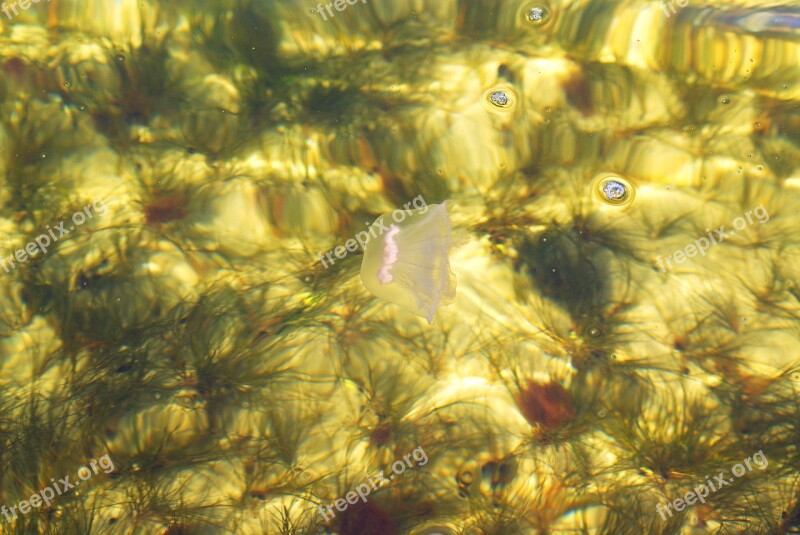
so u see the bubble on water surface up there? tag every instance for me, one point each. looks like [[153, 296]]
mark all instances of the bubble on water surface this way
[[613, 189], [537, 14], [499, 98]]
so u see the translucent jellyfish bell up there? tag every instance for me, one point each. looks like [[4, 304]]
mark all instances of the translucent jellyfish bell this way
[[405, 261]]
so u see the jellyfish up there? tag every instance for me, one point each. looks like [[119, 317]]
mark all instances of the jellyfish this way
[[407, 264]]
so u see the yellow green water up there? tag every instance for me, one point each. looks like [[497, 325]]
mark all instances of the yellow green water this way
[[579, 313]]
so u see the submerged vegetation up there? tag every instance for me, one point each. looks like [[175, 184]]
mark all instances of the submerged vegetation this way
[[573, 385]]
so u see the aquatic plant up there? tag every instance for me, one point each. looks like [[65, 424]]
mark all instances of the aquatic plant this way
[[570, 385]]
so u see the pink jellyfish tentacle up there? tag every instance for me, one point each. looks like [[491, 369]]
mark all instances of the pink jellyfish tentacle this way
[[389, 255]]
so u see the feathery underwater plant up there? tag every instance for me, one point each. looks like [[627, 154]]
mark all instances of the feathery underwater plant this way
[[238, 386], [147, 87]]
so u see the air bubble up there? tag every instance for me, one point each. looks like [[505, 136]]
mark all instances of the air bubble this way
[[466, 477], [537, 14], [613, 190], [500, 98]]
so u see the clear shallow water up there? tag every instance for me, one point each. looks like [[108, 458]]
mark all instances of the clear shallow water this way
[[596, 334]]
